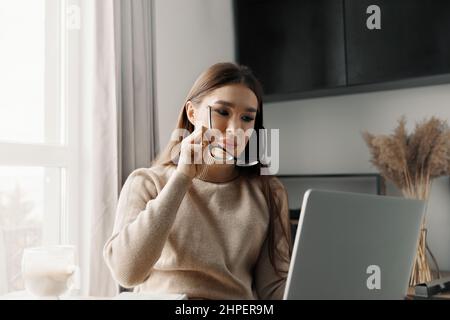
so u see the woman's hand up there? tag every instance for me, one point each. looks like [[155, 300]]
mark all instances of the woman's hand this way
[[191, 159]]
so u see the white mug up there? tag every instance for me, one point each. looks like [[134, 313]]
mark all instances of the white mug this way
[[50, 271]]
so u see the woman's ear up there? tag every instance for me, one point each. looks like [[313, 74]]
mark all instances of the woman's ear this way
[[190, 112]]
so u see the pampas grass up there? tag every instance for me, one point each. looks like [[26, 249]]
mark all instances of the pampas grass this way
[[411, 162]]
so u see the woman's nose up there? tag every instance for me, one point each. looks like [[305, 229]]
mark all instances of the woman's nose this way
[[230, 132], [232, 127]]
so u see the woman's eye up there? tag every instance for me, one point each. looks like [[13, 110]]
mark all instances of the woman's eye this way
[[247, 119], [222, 112]]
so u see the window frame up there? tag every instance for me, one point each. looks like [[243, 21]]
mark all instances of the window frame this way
[[61, 221]]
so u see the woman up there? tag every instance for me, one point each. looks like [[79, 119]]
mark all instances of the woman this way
[[213, 230]]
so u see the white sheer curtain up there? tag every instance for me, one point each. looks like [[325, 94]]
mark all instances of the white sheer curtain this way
[[116, 118], [98, 143]]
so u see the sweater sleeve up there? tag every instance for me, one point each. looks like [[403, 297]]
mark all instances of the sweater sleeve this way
[[143, 221], [268, 283]]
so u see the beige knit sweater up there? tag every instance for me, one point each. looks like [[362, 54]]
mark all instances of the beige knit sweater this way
[[208, 240]]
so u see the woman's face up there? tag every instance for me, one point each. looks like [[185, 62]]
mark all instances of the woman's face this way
[[233, 114]]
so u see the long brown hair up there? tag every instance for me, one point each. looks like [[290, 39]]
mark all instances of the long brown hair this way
[[214, 77]]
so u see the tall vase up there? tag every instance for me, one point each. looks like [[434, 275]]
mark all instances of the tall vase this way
[[421, 271]]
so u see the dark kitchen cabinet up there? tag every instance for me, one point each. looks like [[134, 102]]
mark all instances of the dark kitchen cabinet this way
[[292, 46], [310, 48], [414, 40]]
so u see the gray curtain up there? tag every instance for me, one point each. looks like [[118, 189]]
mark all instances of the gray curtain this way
[[136, 108]]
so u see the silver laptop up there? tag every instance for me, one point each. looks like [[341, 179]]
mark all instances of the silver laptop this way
[[353, 246]]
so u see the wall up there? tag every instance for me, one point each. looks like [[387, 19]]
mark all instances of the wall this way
[[189, 37], [318, 135]]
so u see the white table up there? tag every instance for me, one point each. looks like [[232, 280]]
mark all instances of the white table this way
[[23, 295]]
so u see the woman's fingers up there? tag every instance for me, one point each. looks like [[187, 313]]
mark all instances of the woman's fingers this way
[[199, 137], [192, 151], [196, 143]]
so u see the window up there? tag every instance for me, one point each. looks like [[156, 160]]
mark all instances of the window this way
[[37, 178]]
